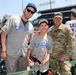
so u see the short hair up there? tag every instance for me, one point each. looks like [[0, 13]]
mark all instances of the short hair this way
[[73, 12]]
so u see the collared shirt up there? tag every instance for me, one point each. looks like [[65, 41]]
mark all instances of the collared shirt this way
[[63, 41], [41, 46], [72, 24], [18, 36]]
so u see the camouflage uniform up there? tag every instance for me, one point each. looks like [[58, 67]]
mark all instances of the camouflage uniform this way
[[63, 42]]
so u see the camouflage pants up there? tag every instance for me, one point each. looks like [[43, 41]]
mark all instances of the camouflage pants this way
[[60, 68]]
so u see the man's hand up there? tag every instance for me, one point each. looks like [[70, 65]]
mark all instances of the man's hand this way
[[4, 55]]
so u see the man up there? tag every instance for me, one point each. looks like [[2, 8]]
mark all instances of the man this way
[[63, 46], [72, 24], [15, 38]]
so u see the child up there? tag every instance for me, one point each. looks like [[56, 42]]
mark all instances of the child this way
[[40, 48]]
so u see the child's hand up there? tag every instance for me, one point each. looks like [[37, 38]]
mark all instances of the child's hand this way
[[46, 59], [30, 62], [44, 62]]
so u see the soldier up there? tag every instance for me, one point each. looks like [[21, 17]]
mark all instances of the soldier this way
[[63, 46]]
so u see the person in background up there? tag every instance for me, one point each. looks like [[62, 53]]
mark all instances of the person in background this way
[[4, 19], [16, 35], [72, 24], [63, 46], [40, 48], [0, 44]]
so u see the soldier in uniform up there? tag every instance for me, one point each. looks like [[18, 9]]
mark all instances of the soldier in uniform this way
[[63, 46]]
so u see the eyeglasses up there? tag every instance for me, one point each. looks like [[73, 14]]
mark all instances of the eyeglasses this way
[[30, 11]]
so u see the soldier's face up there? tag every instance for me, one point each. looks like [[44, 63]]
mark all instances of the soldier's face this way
[[57, 21]]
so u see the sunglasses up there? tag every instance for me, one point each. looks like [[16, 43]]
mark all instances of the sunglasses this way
[[30, 11]]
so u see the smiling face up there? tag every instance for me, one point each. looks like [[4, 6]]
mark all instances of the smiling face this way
[[43, 27], [57, 21], [28, 12]]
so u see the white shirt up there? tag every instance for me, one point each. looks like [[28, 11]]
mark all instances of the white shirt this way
[[72, 24]]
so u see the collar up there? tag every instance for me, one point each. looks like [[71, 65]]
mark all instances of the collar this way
[[60, 27]]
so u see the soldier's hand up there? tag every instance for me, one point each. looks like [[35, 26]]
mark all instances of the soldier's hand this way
[[63, 58]]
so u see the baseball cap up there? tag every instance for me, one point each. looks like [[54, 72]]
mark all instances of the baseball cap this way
[[58, 14], [31, 5], [73, 12], [43, 21]]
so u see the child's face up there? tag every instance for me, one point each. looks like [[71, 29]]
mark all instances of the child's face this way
[[43, 27]]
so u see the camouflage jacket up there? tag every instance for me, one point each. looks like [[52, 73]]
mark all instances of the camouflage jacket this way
[[63, 41]]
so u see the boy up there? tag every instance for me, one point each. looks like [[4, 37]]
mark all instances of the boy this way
[[40, 49]]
